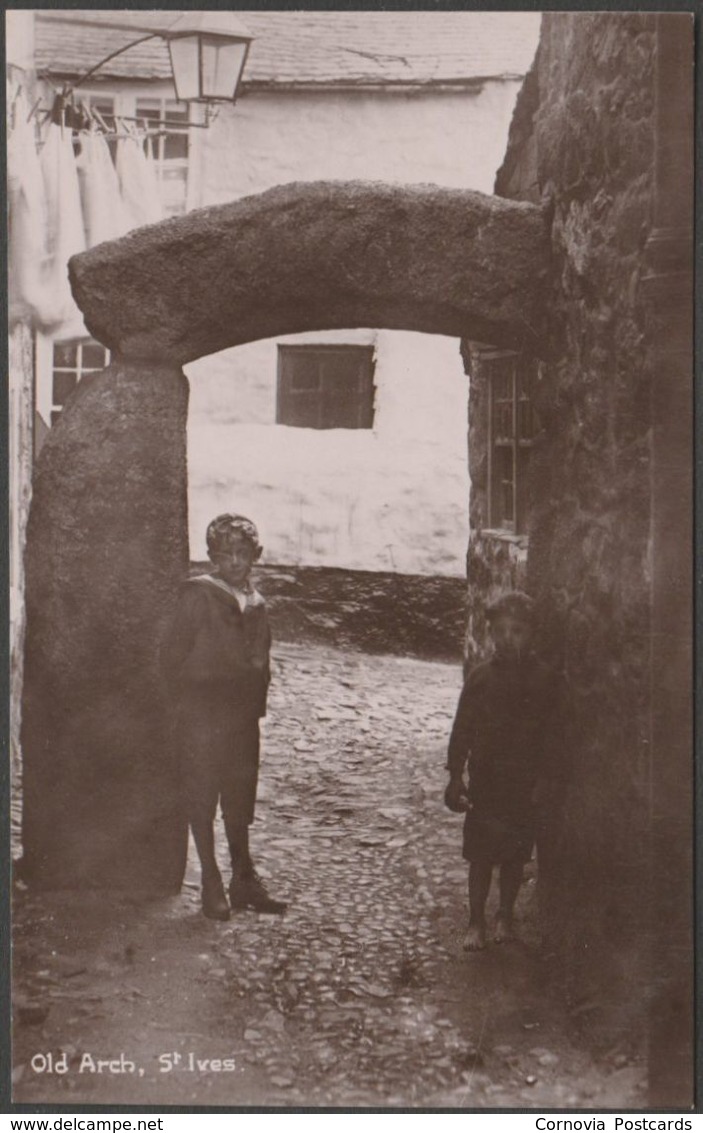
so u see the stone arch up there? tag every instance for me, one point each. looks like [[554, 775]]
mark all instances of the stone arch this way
[[319, 256], [107, 533]]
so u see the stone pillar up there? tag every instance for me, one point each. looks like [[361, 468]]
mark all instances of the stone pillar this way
[[106, 550], [669, 286]]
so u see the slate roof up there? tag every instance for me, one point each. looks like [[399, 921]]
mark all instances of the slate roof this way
[[329, 48]]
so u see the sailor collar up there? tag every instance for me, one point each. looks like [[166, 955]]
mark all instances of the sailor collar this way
[[248, 596]]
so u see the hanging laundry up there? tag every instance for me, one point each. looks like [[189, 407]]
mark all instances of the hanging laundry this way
[[139, 183], [104, 215], [65, 223], [28, 293]]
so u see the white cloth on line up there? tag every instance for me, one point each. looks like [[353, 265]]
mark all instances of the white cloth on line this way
[[104, 215], [139, 184], [66, 234], [29, 294]]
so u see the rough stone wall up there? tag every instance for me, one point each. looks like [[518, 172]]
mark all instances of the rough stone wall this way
[[582, 143]]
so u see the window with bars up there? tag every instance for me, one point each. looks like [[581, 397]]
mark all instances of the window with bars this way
[[512, 427], [71, 361], [325, 387]]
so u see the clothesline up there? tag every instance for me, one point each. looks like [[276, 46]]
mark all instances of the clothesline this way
[[136, 135], [90, 118], [91, 112], [95, 119], [80, 117]]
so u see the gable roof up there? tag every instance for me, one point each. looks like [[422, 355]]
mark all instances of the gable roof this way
[[328, 48]]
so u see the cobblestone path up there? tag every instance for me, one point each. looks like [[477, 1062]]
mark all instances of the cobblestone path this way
[[360, 995]]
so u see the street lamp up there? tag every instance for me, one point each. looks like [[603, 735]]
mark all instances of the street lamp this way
[[207, 51]]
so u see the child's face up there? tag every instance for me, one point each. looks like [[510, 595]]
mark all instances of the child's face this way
[[234, 564], [511, 636]]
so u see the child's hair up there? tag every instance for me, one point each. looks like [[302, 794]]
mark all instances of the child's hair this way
[[513, 604], [221, 529]]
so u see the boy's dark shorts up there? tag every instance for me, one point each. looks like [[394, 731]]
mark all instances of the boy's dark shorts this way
[[488, 838], [219, 755]]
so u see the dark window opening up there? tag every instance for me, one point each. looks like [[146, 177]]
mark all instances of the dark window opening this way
[[325, 387]]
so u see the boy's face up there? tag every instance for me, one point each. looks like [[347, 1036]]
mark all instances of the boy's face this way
[[234, 564], [511, 636]]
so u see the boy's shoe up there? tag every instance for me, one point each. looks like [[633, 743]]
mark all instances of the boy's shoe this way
[[214, 902], [247, 891]]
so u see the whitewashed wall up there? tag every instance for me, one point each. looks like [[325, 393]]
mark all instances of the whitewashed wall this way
[[395, 497], [449, 138], [391, 498]]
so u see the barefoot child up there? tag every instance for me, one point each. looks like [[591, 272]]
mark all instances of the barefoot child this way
[[500, 729], [216, 662]]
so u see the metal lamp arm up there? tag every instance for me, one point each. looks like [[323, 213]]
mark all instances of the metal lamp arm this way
[[83, 78]]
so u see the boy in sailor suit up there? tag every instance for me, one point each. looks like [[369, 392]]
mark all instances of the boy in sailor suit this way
[[216, 662]]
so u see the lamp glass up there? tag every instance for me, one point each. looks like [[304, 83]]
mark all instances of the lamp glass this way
[[185, 64], [222, 65]]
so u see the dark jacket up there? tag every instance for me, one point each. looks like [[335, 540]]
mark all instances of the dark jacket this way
[[212, 645], [505, 729]]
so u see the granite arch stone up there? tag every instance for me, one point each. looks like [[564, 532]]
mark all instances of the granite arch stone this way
[[316, 256]]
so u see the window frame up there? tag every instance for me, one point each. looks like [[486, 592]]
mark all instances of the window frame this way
[[365, 399], [80, 370], [520, 372], [126, 95], [162, 163]]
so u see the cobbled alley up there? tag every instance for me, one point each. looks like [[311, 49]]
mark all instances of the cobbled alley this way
[[361, 995]]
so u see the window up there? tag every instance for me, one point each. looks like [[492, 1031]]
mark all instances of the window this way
[[166, 119], [325, 387], [169, 148], [72, 360], [512, 427]]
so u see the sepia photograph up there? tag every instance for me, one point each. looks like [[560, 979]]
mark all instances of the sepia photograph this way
[[350, 434]]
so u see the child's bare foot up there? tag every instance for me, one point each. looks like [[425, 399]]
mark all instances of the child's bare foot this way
[[503, 928], [475, 938]]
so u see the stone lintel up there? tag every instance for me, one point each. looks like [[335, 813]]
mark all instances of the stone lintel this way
[[315, 256]]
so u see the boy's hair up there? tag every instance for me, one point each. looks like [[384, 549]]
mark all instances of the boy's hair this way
[[221, 529], [513, 604]]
